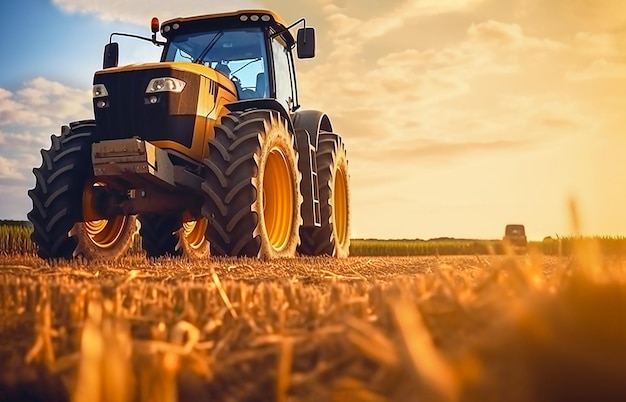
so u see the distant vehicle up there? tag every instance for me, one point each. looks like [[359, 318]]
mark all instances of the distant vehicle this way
[[515, 237]]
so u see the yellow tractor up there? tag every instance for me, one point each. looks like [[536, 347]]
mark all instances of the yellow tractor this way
[[207, 148]]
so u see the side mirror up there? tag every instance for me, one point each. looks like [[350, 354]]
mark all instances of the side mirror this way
[[111, 55], [306, 43]]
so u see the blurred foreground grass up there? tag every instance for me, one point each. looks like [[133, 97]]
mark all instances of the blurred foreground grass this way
[[481, 328]]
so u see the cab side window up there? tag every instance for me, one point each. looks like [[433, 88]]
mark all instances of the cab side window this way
[[282, 72]]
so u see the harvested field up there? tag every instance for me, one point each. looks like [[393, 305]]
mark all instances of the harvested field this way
[[454, 328]]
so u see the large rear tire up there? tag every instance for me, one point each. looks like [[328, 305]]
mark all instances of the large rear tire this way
[[252, 190], [168, 235], [333, 237], [62, 198]]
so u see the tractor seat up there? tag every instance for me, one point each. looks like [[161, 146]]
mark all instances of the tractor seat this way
[[261, 86]]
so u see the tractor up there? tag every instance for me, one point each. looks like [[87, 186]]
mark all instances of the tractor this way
[[206, 152]]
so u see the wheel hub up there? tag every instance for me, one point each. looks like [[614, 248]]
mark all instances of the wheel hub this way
[[104, 233], [194, 232], [340, 206], [278, 202]]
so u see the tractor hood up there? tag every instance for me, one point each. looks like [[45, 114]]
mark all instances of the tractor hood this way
[[172, 104], [193, 68]]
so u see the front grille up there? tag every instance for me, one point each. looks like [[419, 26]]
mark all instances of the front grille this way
[[129, 115]]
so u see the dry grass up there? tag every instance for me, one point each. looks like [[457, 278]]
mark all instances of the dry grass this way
[[362, 329]]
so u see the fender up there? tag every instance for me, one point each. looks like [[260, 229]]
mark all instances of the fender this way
[[313, 121], [261, 103], [308, 124]]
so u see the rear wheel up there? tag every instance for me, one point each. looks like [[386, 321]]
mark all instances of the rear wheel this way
[[253, 187], [168, 235], [63, 215], [333, 237]]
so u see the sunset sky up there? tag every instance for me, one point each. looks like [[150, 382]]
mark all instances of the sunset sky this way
[[459, 116]]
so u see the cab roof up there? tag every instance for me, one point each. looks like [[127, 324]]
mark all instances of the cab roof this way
[[235, 19]]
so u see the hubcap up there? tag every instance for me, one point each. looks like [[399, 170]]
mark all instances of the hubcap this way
[[278, 202], [340, 206]]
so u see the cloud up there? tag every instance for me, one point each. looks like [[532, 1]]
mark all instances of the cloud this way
[[27, 118], [399, 15], [43, 103], [14, 112], [546, 112], [601, 69], [590, 15], [424, 151], [510, 37], [9, 170], [352, 25], [601, 45], [23, 141], [434, 93]]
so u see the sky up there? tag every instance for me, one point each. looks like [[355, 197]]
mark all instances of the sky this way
[[459, 116]]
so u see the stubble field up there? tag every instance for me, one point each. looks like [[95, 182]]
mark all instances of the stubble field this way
[[448, 328]]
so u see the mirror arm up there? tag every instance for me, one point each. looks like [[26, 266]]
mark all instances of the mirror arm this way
[[301, 20]]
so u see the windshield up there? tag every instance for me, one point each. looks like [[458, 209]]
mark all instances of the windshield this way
[[239, 54]]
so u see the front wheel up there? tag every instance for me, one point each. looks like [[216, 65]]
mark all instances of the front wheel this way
[[63, 215], [104, 238]]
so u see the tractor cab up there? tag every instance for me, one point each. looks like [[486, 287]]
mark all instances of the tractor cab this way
[[252, 48]]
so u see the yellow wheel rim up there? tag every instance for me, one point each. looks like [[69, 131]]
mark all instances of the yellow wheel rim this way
[[104, 233], [278, 202], [340, 206], [194, 232]]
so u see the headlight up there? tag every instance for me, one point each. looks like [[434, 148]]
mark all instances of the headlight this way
[[99, 91], [165, 84]]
